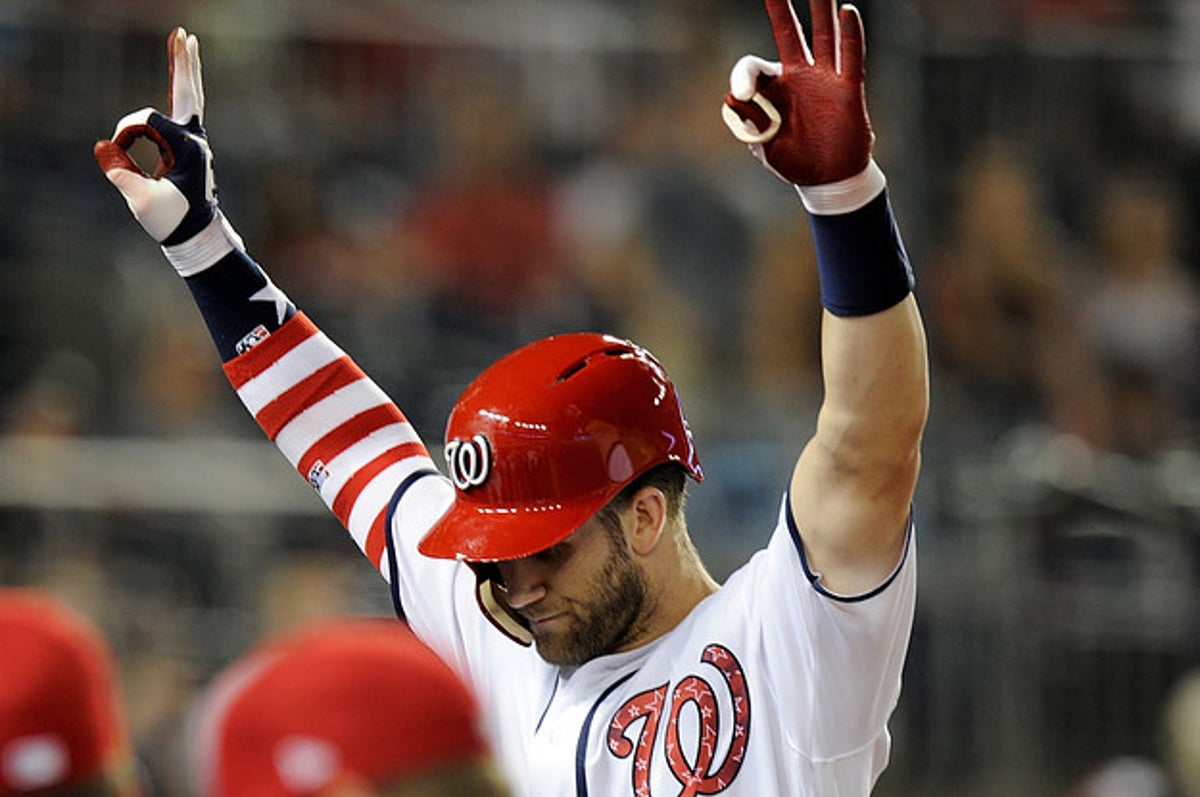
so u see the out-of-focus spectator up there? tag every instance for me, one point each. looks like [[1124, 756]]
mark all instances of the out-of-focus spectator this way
[[58, 400], [1126, 776], [700, 236], [63, 727], [1182, 732], [991, 16], [782, 336], [303, 588], [351, 706], [600, 215], [1143, 319], [1077, 13], [1006, 332], [168, 394], [477, 232], [480, 231], [665, 229]]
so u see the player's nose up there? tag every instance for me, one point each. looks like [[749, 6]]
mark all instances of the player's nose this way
[[523, 583]]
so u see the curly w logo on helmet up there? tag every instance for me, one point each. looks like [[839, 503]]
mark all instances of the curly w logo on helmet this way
[[469, 461]]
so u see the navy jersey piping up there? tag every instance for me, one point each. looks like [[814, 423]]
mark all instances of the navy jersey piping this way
[[546, 710], [581, 789], [813, 577], [393, 567]]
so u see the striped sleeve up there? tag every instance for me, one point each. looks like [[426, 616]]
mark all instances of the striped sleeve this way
[[333, 424]]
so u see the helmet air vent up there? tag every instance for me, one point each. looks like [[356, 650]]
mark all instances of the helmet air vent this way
[[578, 365]]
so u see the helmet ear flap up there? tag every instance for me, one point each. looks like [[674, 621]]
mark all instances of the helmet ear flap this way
[[494, 607]]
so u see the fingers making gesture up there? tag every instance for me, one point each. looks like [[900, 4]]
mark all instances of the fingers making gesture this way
[[177, 202], [805, 116]]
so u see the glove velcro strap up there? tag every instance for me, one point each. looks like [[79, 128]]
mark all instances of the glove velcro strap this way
[[844, 196], [861, 260], [205, 247]]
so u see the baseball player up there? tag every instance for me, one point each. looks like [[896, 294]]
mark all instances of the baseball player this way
[[551, 566], [345, 707], [63, 725]]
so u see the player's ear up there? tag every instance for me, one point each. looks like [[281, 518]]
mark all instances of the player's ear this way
[[649, 507]]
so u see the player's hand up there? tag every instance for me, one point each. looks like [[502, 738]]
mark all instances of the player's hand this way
[[178, 200], [824, 133]]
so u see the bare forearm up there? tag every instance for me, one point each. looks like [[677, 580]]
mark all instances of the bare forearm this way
[[876, 386], [854, 483]]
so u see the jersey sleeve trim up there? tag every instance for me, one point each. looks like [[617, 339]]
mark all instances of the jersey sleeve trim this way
[[393, 566], [814, 578]]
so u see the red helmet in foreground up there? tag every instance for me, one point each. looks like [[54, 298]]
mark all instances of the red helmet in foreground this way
[[547, 435]]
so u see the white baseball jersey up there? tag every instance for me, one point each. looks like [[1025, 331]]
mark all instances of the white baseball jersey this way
[[771, 686]]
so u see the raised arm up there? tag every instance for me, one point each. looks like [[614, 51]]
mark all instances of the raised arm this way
[[805, 118], [332, 423]]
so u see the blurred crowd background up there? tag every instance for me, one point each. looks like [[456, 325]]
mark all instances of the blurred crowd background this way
[[436, 183]]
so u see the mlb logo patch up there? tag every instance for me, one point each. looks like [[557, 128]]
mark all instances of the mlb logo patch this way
[[256, 336], [317, 475]]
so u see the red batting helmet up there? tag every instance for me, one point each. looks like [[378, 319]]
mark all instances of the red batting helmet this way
[[348, 699], [62, 722], [544, 437]]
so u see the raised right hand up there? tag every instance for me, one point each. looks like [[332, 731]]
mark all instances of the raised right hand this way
[[179, 200]]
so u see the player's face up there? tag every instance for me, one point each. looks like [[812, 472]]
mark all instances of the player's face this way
[[582, 598]]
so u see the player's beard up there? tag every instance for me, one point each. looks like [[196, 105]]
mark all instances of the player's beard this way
[[612, 615]]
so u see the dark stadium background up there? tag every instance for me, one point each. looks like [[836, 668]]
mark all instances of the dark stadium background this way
[[436, 182]]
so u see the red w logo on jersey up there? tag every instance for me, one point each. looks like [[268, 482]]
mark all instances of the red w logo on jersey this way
[[693, 768]]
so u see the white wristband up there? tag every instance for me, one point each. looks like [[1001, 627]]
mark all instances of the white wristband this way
[[844, 196], [205, 247]]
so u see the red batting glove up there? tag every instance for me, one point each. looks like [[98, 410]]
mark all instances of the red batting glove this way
[[824, 134]]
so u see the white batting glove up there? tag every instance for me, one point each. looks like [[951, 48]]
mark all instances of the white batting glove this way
[[177, 205]]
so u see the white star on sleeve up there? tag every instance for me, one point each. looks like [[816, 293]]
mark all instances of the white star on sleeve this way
[[270, 293]]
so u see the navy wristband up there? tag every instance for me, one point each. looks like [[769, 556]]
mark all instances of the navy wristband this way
[[861, 260]]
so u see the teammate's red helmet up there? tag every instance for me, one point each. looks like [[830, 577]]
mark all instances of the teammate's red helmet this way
[[544, 437]]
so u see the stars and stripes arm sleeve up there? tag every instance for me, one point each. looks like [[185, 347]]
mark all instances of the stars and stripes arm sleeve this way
[[239, 303], [334, 425]]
